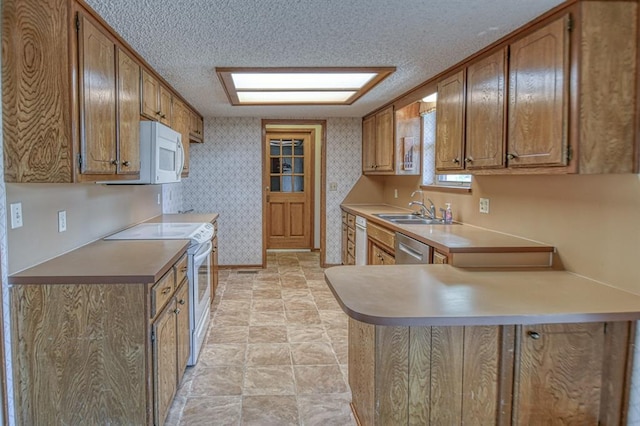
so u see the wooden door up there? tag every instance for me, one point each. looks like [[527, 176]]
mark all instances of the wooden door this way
[[539, 97], [288, 177], [450, 116], [183, 333], [97, 78], [369, 144], [165, 106], [181, 123], [128, 114], [558, 374], [385, 141], [150, 105], [165, 365], [485, 137]]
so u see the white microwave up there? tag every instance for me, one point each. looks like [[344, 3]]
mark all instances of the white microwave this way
[[161, 155]]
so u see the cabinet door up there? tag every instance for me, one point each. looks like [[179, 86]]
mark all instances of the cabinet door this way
[[369, 144], [195, 127], [558, 374], [450, 112], [378, 256], [165, 107], [384, 140], [539, 97], [182, 337], [128, 114], [439, 258], [180, 123], [150, 104], [165, 365], [97, 78], [485, 136]]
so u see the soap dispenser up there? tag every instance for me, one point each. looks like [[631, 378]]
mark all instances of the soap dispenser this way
[[448, 215]]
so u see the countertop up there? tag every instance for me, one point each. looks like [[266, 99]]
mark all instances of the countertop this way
[[450, 238], [442, 295], [107, 262], [185, 218]]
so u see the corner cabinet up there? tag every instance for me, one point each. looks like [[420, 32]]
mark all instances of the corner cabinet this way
[[445, 375], [71, 111], [571, 115], [110, 353], [378, 142]]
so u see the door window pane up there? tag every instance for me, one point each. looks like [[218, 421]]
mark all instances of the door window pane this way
[[298, 165], [298, 184], [274, 147], [299, 147], [275, 183], [275, 165], [286, 183], [286, 166], [286, 148]]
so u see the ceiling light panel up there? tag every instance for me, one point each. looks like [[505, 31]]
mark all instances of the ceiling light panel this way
[[299, 86]]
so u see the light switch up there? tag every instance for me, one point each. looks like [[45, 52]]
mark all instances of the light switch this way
[[16, 215], [333, 186], [484, 205], [62, 221]]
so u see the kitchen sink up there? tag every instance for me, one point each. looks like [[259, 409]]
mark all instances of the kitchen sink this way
[[409, 219]]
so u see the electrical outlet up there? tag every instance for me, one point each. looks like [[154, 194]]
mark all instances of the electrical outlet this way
[[62, 221], [16, 215], [484, 205], [158, 199], [395, 193], [333, 186]]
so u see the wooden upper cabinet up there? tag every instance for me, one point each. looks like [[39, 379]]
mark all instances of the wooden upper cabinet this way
[[539, 97], [196, 127], [181, 123], [128, 114], [97, 79], [156, 99], [378, 144], [572, 356], [369, 144], [485, 115], [450, 118]]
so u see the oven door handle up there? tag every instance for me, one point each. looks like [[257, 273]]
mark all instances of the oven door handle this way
[[202, 253]]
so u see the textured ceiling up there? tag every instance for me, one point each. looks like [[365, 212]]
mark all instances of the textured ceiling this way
[[184, 40]]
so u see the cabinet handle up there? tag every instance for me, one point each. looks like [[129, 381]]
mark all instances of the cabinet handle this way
[[511, 156], [468, 160], [166, 290], [534, 335], [114, 162], [159, 113], [177, 311], [183, 269], [125, 163], [456, 161], [182, 302], [163, 116]]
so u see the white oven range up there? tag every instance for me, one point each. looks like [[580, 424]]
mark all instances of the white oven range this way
[[198, 269]]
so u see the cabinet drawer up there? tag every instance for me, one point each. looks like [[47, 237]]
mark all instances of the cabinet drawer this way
[[440, 258], [162, 291], [181, 269], [351, 260], [351, 234], [351, 248], [351, 220], [344, 217], [386, 237]]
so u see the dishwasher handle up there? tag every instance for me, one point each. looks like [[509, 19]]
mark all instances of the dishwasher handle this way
[[411, 252]]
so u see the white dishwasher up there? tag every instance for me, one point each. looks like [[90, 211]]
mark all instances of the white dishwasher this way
[[361, 240]]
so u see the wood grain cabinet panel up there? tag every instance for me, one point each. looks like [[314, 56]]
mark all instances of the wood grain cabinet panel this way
[[97, 353], [97, 99], [485, 115], [150, 105], [378, 144], [539, 97], [450, 118], [165, 97], [180, 123], [196, 127], [128, 114]]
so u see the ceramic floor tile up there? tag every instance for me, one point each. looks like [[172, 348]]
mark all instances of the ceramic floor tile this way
[[299, 304], [312, 354], [218, 410], [229, 334], [268, 334], [307, 333], [267, 293], [267, 318], [269, 380], [319, 379], [218, 354], [275, 305], [306, 317], [325, 409], [269, 410], [269, 354], [218, 381], [290, 293]]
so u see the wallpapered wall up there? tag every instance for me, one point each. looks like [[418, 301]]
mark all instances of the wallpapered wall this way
[[225, 177]]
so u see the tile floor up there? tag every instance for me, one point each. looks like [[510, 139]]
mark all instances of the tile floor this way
[[276, 353]]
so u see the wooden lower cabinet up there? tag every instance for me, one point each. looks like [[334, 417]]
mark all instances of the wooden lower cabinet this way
[[214, 266], [98, 353], [378, 255], [348, 248], [520, 375], [381, 245]]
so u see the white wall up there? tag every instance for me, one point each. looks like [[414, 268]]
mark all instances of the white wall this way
[[226, 177]]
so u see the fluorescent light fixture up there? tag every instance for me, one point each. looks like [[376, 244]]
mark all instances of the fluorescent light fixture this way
[[431, 98], [293, 97], [299, 86]]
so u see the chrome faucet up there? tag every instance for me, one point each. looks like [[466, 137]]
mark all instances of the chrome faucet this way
[[423, 208], [430, 211]]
